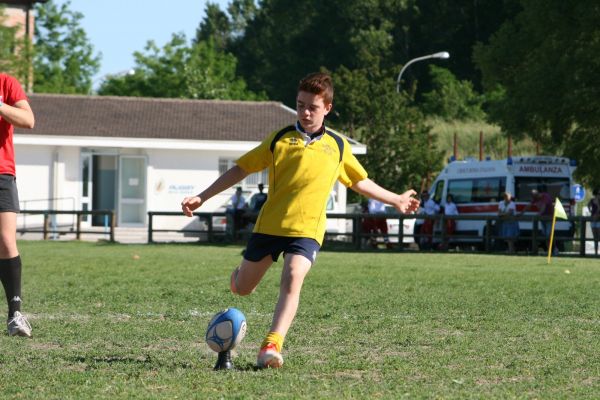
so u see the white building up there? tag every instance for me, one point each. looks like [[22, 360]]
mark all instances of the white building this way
[[135, 155]]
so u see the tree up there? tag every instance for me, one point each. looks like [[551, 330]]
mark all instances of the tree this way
[[450, 98], [199, 71], [544, 73], [215, 26], [64, 61], [400, 146]]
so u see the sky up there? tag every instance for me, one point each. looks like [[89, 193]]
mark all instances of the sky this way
[[118, 28]]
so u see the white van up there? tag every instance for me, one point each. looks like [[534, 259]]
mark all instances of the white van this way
[[477, 187]]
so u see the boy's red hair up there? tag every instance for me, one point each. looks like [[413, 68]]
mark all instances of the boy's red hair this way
[[318, 83]]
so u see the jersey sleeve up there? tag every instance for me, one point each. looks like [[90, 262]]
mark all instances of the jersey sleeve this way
[[258, 158], [351, 171], [15, 92]]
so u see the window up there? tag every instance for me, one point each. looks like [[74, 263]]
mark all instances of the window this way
[[478, 190], [251, 180], [555, 187]]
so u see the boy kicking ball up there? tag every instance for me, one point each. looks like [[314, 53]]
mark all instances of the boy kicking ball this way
[[304, 160]]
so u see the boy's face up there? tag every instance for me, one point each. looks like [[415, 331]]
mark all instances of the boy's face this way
[[311, 110]]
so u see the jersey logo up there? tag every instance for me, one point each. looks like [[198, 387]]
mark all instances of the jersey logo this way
[[293, 141], [339, 141], [328, 150]]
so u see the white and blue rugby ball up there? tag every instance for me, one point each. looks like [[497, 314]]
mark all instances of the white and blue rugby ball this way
[[226, 330]]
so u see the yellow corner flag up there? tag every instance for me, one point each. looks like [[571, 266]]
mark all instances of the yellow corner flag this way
[[559, 211]]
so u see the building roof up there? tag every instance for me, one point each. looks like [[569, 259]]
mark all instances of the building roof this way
[[113, 117], [151, 118]]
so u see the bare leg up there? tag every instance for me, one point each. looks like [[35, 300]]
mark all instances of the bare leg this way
[[294, 271], [8, 235], [248, 275]]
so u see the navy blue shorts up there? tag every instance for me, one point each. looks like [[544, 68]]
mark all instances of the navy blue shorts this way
[[261, 245]]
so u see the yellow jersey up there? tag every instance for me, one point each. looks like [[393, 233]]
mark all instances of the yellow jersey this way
[[301, 176]]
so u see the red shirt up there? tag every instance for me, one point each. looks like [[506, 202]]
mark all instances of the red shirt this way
[[546, 200], [11, 92]]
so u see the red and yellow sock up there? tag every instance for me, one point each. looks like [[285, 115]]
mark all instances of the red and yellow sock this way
[[275, 338]]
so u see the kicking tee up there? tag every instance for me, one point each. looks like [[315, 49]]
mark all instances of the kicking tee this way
[[301, 176]]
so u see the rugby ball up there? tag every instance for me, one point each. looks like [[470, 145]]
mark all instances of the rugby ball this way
[[226, 330]]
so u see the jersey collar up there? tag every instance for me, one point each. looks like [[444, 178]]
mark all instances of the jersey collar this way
[[310, 137]]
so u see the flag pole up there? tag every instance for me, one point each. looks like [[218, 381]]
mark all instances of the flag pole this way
[[551, 238]]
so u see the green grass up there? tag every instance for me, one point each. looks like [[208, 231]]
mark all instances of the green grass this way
[[108, 324]]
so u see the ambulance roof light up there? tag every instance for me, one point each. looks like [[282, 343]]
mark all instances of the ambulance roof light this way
[[573, 162], [509, 161]]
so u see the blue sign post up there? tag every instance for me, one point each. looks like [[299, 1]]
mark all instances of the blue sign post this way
[[578, 192]]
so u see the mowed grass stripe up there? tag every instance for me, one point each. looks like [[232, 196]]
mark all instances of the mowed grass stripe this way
[[127, 321]]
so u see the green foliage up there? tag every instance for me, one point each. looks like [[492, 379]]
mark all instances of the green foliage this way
[[401, 151], [199, 71], [215, 26], [225, 28], [370, 325], [450, 98], [544, 64], [64, 61]]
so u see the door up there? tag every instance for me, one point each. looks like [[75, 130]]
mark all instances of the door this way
[[132, 191], [86, 186], [104, 178]]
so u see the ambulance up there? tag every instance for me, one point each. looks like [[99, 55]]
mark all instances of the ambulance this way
[[477, 186]]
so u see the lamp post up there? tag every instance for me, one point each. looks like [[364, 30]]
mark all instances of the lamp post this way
[[441, 54]]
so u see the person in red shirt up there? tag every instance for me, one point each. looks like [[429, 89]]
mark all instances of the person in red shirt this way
[[541, 200], [14, 111]]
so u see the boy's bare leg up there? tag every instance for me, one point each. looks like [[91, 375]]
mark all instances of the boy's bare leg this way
[[248, 275], [295, 268]]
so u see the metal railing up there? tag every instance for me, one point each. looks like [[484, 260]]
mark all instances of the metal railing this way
[[52, 202], [48, 228]]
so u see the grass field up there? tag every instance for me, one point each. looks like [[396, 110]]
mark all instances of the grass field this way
[[127, 321]]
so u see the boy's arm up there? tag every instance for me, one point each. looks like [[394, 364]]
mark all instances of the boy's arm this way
[[19, 115], [225, 181], [404, 202]]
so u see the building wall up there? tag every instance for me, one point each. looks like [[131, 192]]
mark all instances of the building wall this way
[[50, 177], [16, 16], [173, 175]]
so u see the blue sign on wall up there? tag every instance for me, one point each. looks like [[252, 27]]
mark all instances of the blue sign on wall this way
[[578, 192]]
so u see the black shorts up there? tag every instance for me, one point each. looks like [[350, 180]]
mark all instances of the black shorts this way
[[261, 245], [9, 197]]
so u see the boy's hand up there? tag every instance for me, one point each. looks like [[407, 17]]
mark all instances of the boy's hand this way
[[189, 204], [406, 203]]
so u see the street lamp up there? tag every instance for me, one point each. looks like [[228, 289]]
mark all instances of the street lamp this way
[[441, 54]]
